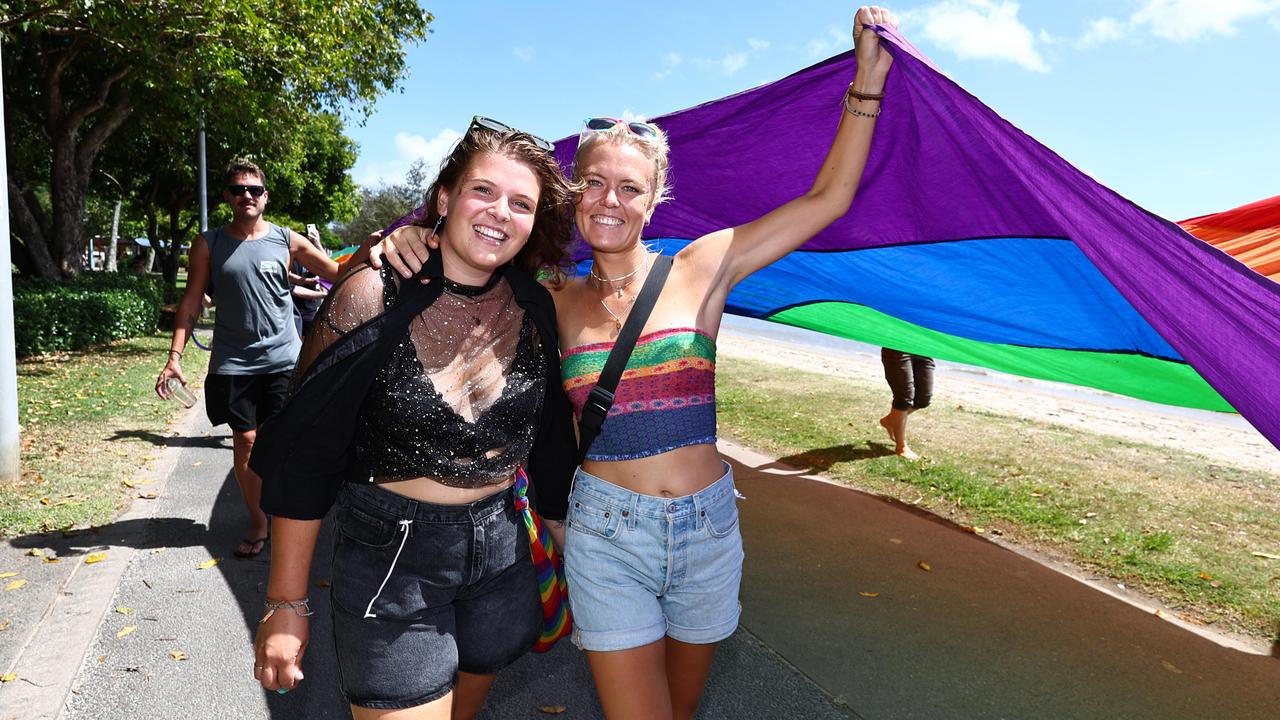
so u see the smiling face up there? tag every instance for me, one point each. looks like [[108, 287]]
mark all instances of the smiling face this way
[[245, 207], [618, 199], [490, 215]]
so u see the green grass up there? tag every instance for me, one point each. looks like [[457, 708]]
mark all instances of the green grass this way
[[1172, 524], [89, 420]]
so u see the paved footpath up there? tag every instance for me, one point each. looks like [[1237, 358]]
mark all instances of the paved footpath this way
[[985, 633]]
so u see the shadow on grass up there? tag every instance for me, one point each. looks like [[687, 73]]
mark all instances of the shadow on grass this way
[[207, 441], [138, 533], [821, 459]]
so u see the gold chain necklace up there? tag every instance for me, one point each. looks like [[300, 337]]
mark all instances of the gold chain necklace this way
[[629, 277], [617, 320]]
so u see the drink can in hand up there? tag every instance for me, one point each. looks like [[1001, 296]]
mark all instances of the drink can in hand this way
[[179, 392]]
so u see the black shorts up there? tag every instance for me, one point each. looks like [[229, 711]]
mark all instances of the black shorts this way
[[244, 401], [421, 591]]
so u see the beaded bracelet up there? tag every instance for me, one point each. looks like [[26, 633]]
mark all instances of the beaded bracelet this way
[[849, 108], [272, 606]]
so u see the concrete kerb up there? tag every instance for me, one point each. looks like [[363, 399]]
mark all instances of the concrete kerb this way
[[51, 655], [1241, 643]]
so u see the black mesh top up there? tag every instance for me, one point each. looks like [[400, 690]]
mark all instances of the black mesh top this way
[[459, 397]]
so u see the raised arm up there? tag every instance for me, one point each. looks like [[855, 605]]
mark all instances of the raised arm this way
[[736, 252]]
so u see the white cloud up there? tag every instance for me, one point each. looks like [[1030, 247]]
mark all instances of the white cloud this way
[[524, 52], [979, 29], [733, 62], [409, 148], [729, 64], [670, 61], [1188, 19], [832, 41], [1102, 31]]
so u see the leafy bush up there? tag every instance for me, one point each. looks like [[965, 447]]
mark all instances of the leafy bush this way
[[94, 308]]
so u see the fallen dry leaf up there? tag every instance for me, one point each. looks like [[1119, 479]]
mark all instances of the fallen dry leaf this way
[[14, 585], [45, 501], [1170, 667], [552, 709], [1161, 614], [924, 566], [1205, 576], [52, 559], [197, 463], [95, 558], [129, 483], [208, 563], [869, 594], [148, 496], [1268, 556], [124, 610], [126, 630], [4, 575], [975, 530], [177, 655], [8, 678], [6, 624], [35, 552]]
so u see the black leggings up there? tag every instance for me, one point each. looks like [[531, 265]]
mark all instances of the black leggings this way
[[910, 377]]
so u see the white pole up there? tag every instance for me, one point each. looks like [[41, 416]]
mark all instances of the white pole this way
[[9, 446]]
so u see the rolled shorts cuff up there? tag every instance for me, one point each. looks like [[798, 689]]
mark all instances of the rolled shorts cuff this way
[[611, 640], [402, 704], [708, 635]]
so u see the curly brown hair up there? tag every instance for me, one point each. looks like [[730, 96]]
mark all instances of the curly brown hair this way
[[546, 255]]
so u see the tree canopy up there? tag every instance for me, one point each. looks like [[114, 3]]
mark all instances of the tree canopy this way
[[80, 74]]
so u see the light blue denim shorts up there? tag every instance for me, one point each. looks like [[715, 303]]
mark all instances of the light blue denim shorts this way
[[641, 567]]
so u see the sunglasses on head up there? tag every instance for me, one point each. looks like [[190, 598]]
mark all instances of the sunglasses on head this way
[[642, 130], [238, 190], [480, 122]]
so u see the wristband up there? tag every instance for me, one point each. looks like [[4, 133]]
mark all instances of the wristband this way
[[179, 353]]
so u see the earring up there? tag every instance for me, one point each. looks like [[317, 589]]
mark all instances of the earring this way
[[439, 225]]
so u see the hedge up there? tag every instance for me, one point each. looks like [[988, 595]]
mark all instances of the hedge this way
[[94, 308]]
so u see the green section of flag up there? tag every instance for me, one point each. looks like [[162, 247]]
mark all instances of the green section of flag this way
[[1146, 378]]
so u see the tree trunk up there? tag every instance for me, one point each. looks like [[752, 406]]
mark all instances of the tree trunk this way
[[74, 152], [112, 248], [34, 249]]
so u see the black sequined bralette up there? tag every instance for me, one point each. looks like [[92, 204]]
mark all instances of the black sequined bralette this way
[[459, 398]]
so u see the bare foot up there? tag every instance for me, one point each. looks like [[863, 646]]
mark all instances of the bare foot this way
[[884, 423], [907, 453]]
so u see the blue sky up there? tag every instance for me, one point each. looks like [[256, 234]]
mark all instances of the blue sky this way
[[1175, 104]]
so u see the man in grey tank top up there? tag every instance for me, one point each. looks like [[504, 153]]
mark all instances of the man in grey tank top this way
[[255, 342]]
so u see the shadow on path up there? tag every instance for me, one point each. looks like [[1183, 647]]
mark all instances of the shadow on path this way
[[819, 460], [207, 441]]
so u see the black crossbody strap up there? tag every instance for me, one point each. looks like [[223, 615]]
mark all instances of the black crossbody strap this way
[[600, 399]]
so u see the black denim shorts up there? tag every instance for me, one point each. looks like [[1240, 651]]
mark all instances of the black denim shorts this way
[[421, 591]]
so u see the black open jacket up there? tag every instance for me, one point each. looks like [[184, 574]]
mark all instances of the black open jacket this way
[[306, 451]]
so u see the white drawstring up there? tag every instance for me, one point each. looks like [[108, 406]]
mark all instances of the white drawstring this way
[[404, 526]]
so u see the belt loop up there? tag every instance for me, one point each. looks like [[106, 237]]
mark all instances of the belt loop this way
[[634, 520]]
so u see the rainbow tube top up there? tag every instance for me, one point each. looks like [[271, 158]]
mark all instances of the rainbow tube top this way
[[665, 400]]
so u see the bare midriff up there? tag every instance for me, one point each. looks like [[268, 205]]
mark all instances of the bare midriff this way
[[433, 491], [675, 473]]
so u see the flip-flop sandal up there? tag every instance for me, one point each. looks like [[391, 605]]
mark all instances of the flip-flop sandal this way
[[259, 543]]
